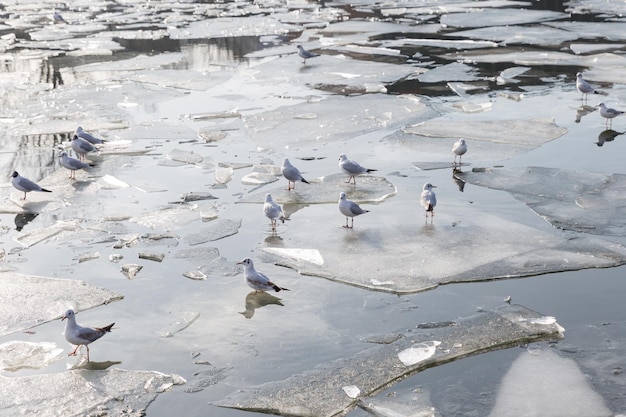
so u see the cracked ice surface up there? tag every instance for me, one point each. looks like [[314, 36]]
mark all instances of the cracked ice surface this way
[[570, 200], [113, 392], [31, 300], [373, 369]]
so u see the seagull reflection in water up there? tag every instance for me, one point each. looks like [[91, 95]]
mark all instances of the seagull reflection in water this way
[[607, 136], [258, 299]]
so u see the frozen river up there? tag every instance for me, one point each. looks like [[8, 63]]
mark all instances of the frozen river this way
[[506, 303]]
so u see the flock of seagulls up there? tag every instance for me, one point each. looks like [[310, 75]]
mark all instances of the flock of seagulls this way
[[82, 143], [584, 88]]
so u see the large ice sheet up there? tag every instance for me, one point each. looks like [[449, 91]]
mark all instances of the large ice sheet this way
[[376, 368], [84, 392], [369, 189], [551, 386], [498, 17], [412, 259], [571, 200], [32, 300]]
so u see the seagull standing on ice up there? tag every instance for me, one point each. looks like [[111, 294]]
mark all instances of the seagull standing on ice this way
[[79, 335], [273, 211], [349, 209], [292, 174], [609, 113], [72, 164], [352, 168], [26, 185], [584, 87], [257, 280], [459, 148], [428, 199], [82, 147], [88, 136], [304, 54]]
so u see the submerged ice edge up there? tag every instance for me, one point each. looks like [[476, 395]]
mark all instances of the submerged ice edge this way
[[374, 369]]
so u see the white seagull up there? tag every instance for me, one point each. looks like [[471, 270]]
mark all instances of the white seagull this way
[[88, 136], [82, 147], [583, 86], [609, 113], [26, 185], [72, 164], [273, 211], [257, 280], [349, 209], [304, 54], [428, 199], [292, 174], [352, 168], [79, 335], [459, 148]]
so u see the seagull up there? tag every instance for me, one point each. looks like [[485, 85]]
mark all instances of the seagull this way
[[82, 147], [352, 168], [459, 148], [584, 87], [88, 136], [292, 174], [72, 164], [79, 335], [349, 209], [57, 18], [257, 280], [304, 54], [273, 211], [428, 199], [609, 113], [26, 185]]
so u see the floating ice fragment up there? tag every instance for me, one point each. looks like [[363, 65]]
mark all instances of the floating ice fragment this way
[[31, 300], [183, 320], [152, 256], [195, 275], [216, 229], [223, 174], [377, 367], [418, 352], [116, 257], [351, 391], [258, 178], [186, 157], [16, 355], [130, 270], [30, 238], [305, 255], [112, 392], [88, 256]]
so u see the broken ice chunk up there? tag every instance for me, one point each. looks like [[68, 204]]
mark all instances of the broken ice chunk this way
[[152, 256], [87, 256], [351, 391], [195, 275], [418, 352], [130, 270], [186, 157], [181, 322]]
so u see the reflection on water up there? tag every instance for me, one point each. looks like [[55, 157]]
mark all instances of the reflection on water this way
[[22, 219], [258, 299], [607, 136]]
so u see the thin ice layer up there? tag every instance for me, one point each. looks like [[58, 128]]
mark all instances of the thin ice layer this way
[[73, 393], [551, 386], [32, 300], [374, 369], [570, 200]]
